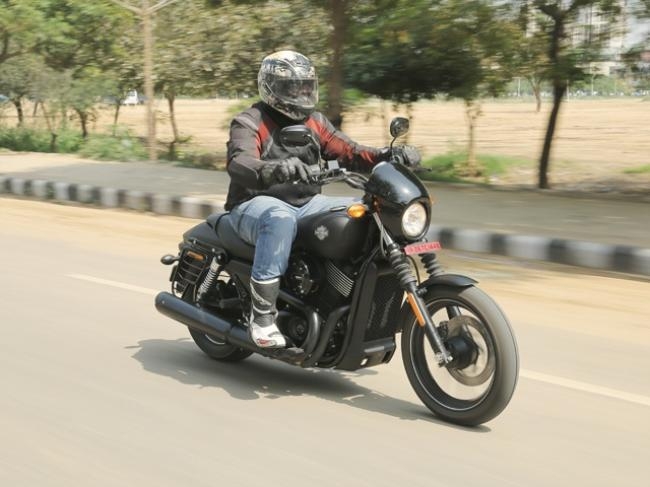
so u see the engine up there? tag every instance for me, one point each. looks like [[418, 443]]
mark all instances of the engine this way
[[304, 275]]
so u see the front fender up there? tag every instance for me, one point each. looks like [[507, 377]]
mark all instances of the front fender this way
[[453, 280]]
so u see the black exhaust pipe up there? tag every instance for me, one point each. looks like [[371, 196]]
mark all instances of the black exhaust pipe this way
[[199, 319]]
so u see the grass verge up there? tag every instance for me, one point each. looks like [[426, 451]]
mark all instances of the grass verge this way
[[447, 167], [638, 170]]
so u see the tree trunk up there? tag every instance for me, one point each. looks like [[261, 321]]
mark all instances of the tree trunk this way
[[560, 87], [536, 86], [19, 110], [472, 111], [558, 95], [50, 127], [116, 116], [172, 117], [83, 119], [335, 82]]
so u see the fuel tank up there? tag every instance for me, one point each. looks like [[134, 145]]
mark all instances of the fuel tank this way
[[333, 235]]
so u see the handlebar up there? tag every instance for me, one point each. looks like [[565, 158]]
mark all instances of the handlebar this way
[[336, 174]]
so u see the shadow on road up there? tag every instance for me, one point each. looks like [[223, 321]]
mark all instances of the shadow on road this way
[[260, 378]]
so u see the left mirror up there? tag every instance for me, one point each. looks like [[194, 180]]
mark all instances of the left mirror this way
[[399, 126]]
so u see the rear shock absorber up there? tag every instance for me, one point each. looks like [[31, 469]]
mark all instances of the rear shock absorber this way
[[210, 277]]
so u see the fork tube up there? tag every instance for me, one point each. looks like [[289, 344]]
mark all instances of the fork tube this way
[[409, 283]]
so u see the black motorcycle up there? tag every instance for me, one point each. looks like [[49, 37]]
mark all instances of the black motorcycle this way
[[351, 286]]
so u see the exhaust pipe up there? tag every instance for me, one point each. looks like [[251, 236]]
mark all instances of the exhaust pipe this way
[[201, 320]]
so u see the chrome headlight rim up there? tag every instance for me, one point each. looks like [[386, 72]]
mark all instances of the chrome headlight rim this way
[[414, 220]]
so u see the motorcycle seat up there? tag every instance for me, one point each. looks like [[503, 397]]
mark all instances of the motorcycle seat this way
[[229, 237]]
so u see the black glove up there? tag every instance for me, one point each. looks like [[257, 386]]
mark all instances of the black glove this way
[[284, 171], [407, 155]]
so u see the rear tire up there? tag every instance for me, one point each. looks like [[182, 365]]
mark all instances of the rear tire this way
[[482, 382], [212, 346], [216, 349]]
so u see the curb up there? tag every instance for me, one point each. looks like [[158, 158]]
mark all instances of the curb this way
[[619, 258], [183, 206]]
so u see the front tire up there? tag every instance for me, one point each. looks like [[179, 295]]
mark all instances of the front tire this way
[[479, 383]]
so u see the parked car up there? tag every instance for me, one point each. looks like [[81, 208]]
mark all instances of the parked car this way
[[133, 98]]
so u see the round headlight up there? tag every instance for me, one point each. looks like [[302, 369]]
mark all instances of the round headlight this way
[[414, 220]]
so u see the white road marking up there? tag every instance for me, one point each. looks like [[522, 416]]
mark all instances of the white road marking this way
[[585, 387], [120, 285], [528, 374]]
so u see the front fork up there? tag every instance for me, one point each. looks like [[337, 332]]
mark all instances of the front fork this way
[[407, 280]]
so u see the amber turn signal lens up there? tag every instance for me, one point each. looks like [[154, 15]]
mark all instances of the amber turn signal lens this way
[[357, 211]]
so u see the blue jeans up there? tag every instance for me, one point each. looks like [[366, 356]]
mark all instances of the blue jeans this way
[[271, 226]]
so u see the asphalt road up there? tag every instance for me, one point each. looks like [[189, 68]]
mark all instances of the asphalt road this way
[[99, 389]]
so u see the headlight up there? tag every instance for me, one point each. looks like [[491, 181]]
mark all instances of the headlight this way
[[414, 220]]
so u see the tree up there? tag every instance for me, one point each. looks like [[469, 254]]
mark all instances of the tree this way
[[182, 62], [242, 36], [418, 49], [531, 59], [23, 28], [17, 76], [145, 11], [83, 43], [567, 63]]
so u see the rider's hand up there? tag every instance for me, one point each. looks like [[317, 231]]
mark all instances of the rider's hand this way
[[284, 171], [407, 155]]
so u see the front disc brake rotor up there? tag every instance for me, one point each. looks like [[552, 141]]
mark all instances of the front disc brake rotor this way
[[471, 341]]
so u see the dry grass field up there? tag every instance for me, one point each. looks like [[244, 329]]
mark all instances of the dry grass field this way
[[596, 140]]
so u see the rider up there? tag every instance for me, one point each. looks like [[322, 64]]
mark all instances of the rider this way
[[270, 187]]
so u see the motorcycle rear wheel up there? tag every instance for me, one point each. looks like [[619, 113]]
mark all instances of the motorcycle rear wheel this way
[[217, 349], [212, 346], [481, 380]]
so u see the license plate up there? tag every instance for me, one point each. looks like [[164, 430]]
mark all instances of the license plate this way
[[422, 247]]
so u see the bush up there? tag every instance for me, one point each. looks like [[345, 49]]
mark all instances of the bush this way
[[122, 147], [638, 170], [22, 139], [444, 167]]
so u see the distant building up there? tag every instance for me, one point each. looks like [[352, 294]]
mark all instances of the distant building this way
[[619, 35]]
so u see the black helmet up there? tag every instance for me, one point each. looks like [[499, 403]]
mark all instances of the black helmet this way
[[287, 82]]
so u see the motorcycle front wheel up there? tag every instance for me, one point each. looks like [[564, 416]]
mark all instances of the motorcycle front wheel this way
[[478, 384]]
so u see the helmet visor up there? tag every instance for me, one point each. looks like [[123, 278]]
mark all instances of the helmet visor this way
[[302, 93]]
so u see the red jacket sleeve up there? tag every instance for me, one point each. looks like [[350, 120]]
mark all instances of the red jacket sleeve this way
[[336, 145]]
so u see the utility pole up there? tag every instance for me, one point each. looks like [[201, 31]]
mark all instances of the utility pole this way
[[145, 12]]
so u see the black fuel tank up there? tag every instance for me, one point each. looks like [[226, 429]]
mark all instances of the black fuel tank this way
[[333, 235]]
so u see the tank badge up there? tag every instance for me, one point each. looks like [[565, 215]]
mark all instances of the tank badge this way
[[321, 233]]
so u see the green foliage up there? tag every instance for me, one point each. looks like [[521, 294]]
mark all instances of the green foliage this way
[[638, 170], [34, 140], [242, 35], [419, 48], [22, 25], [122, 147], [444, 167]]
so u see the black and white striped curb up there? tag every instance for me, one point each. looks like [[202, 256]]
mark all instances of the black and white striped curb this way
[[620, 258], [184, 206]]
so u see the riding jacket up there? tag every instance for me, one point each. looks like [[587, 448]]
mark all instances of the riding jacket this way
[[254, 141]]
